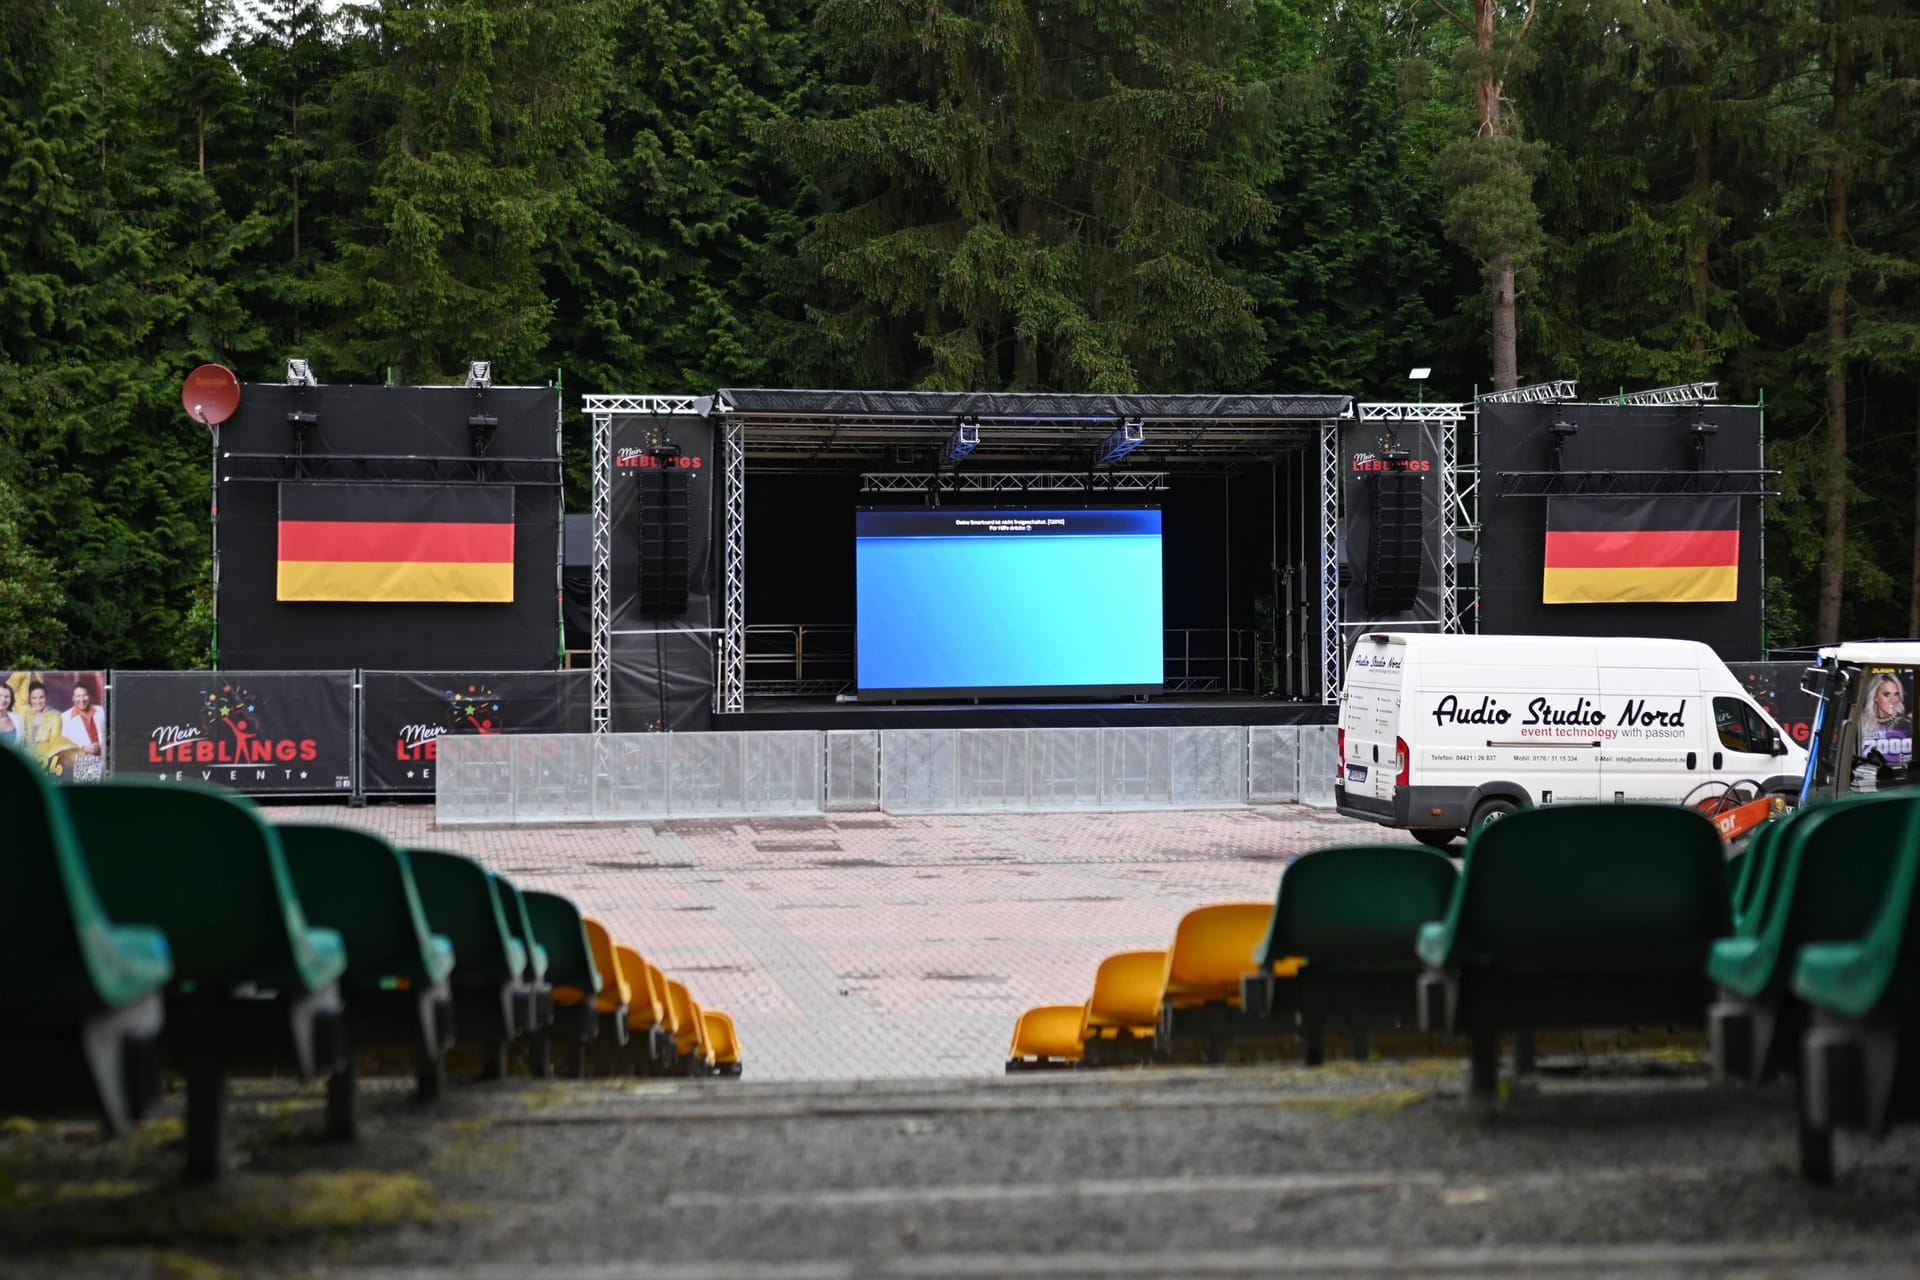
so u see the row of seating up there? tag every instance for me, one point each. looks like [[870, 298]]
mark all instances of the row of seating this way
[[1565, 917], [287, 947]]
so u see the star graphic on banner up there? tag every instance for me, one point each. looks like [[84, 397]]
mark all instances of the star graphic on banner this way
[[303, 775]]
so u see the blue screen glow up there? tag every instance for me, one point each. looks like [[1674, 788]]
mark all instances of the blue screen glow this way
[[979, 601]]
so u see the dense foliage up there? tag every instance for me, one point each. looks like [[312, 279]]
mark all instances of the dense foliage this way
[[998, 194]]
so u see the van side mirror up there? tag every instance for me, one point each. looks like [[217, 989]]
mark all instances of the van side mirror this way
[[1776, 745], [1814, 681]]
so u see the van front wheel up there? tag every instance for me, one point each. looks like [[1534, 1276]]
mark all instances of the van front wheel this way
[[1490, 811], [1436, 837]]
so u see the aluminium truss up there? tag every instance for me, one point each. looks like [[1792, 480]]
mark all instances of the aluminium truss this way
[[603, 410], [732, 692], [1536, 393], [1012, 481], [1684, 393]]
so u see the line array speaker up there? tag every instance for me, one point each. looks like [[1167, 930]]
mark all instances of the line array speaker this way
[[1393, 544], [663, 541]]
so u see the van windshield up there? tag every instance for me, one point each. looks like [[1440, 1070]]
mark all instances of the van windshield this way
[[1867, 736]]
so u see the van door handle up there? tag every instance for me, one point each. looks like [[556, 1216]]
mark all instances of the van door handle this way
[[1692, 759], [1716, 759]]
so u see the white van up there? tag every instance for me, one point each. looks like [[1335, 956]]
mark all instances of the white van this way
[[1440, 734]]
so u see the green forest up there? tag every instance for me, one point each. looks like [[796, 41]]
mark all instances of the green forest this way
[[1074, 195]]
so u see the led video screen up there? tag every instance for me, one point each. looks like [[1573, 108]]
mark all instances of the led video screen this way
[[990, 603]]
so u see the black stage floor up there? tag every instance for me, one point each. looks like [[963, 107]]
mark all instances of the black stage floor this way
[[1183, 709]]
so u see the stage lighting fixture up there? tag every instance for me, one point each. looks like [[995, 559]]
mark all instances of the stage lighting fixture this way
[[480, 373], [480, 431], [1130, 435], [1700, 430], [1419, 375], [964, 440], [299, 375], [301, 419], [1560, 429]]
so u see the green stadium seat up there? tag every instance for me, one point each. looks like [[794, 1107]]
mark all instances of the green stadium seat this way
[[1860, 1068], [357, 884], [80, 993], [1344, 921], [254, 985], [571, 970], [1756, 870], [1834, 862], [490, 964], [534, 1010], [1574, 916]]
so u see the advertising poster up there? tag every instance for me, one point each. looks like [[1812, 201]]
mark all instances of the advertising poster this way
[[261, 732], [404, 714], [59, 718]]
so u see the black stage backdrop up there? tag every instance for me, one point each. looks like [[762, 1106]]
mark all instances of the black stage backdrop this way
[[385, 433], [1611, 438], [261, 732], [403, 715], [663, 664]]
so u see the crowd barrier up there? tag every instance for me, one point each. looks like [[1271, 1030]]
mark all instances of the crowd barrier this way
[[641, 777]]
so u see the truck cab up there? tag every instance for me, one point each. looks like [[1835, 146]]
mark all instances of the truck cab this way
[[1863, 732]]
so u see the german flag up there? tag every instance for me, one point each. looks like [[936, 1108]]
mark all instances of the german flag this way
[[396, 543], [1663, 550]]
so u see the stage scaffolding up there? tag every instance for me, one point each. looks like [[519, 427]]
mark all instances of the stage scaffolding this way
[[1007, 443]]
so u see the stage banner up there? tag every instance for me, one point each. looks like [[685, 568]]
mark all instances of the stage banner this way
[[404, 714], [1776, 687], [59, 718], [261, 732]]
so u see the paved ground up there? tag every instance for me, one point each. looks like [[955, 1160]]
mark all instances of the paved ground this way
[[870, 946]]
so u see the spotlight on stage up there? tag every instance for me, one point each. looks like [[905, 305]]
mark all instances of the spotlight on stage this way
[[1560, 429], [1130, 435], [1700, 430], [480, 430], [480, 373], [964, 440], [301, 419], [299, 375]]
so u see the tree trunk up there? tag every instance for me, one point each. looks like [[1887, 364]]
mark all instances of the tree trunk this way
[[1702, 201], [1833, 551], [1506, 361], [1486, 101]]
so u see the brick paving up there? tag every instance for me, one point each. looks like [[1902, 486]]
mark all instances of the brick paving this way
[[866, 945]]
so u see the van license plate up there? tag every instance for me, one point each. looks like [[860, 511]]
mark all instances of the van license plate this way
[[1356, 773]]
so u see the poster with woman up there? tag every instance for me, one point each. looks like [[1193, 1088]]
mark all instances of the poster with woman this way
[[59, 718]]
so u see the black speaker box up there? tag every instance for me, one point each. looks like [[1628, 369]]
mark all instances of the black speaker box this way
[[663, 541], [1393, 545]]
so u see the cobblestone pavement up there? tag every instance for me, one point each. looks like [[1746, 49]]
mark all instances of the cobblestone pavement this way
[[866, 945]]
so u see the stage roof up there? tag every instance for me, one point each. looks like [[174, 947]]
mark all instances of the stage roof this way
[[879, 430]]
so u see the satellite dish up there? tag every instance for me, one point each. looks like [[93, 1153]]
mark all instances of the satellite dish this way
[[210, 394]]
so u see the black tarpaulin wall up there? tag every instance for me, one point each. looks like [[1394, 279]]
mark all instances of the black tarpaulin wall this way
[[1611, 438], [663, 664], [374, 433]]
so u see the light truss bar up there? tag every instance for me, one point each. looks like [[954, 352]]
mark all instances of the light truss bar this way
[[964, 440], [1012, 481], [1633, 484], [1330, 649], [696, 406], [1437, 412], [1537, 393], [601, 684], [1449, 433], [1127, 437], [1684, 393], [731, 688]]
